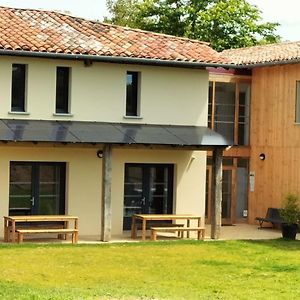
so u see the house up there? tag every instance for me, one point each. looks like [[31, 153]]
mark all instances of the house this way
[[102, 121], [265, 129]]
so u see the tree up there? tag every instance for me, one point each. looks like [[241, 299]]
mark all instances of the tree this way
[[223, 23]]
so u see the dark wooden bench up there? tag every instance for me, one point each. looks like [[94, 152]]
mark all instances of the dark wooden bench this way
[[63, 231], [272, 216], [200, 231]]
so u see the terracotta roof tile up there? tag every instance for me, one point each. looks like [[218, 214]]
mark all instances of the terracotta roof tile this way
[[46, 31], [265, 54]]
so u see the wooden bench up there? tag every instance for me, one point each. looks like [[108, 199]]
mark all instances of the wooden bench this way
[[73, 232], [200, 231]]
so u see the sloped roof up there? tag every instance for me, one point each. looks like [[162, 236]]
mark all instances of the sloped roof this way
[[287, 52], [53, 32]]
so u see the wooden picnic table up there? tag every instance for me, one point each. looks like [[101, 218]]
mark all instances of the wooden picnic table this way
[[10, 223], [160, 217]]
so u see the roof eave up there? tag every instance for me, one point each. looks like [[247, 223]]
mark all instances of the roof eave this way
[[119, 59], [268, 63]]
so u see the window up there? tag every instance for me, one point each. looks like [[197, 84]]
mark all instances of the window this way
[[62, 90], [228, 110], [132, 94], [18, 87], [297, 117]]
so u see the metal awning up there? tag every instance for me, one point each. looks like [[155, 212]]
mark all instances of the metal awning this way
[[109, 133]]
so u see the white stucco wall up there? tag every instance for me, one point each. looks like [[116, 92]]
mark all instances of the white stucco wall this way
[[168, 95]]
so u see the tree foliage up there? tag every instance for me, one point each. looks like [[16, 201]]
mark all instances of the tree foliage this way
[[223, 23]]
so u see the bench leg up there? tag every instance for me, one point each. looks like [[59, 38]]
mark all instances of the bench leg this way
[[20, 238], [201, 234], [75, 238], [153, 235]]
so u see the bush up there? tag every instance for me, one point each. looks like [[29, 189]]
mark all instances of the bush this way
[[290, 211]]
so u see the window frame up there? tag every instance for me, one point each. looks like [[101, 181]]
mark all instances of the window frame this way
[[63, 98], [19, 89], [212, 107], [132, 104]]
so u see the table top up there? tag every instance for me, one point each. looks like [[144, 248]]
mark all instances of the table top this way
[[32, 218], [165, 216]]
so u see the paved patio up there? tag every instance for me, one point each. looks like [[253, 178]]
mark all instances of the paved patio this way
[[234, 232]]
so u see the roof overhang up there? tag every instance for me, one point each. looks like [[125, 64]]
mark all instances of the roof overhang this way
[[74, 132], [117, 59]]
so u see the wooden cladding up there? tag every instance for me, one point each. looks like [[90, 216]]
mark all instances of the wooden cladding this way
[[274, 133]]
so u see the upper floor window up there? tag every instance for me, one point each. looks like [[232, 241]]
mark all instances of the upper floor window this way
[[132, 94], [228, 110], [62, 90], [297, 116], [18, 87]]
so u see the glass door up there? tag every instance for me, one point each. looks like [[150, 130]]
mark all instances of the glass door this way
[[234, 190], [37, 188], [148, 189], [227, 199]]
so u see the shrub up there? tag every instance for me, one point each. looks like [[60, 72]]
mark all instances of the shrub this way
[[290, 211]]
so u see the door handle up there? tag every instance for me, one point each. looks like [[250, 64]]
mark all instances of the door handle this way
[[32, 201], [143, 201]]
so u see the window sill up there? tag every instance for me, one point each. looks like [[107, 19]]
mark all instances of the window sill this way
[[133, 117], [62, 115], [24, 113]]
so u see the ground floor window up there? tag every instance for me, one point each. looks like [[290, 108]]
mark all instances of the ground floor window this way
[[234, 190], [37, 188], [148, 189]]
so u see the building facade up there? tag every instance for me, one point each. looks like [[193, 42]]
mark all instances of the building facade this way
[[92, 127]]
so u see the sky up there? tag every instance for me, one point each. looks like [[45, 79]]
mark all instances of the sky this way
[[285, 12]]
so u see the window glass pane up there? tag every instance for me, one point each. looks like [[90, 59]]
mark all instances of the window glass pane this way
[[225, 109], [297, 119], [242, 188], [132, 94], [49, 189], [20, 189], [226, 194], [210, 95], [18, 87], [62, 89], [244, 109]]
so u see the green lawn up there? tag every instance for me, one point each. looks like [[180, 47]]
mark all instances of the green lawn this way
[[162, 270]]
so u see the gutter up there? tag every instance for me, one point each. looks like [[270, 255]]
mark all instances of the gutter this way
[[267, 64], [119, 59]]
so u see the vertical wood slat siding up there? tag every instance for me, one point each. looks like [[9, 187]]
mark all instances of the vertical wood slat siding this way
[[274, 132]]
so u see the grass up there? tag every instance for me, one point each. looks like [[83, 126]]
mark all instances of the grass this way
[[162, 270]]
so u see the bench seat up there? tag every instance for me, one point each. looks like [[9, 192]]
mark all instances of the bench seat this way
[[151, 224], [272, 216], [63, 231], [200, 231]]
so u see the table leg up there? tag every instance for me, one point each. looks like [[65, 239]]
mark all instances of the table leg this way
[[5, 230], [133, 227], [13, 231], [188, 225], [144, 230]]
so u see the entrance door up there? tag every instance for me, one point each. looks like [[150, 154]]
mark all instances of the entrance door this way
[[37, 188], [148, 189], [234, 190]]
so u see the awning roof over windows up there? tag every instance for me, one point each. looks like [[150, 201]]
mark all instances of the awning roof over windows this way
[[109, 133]]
